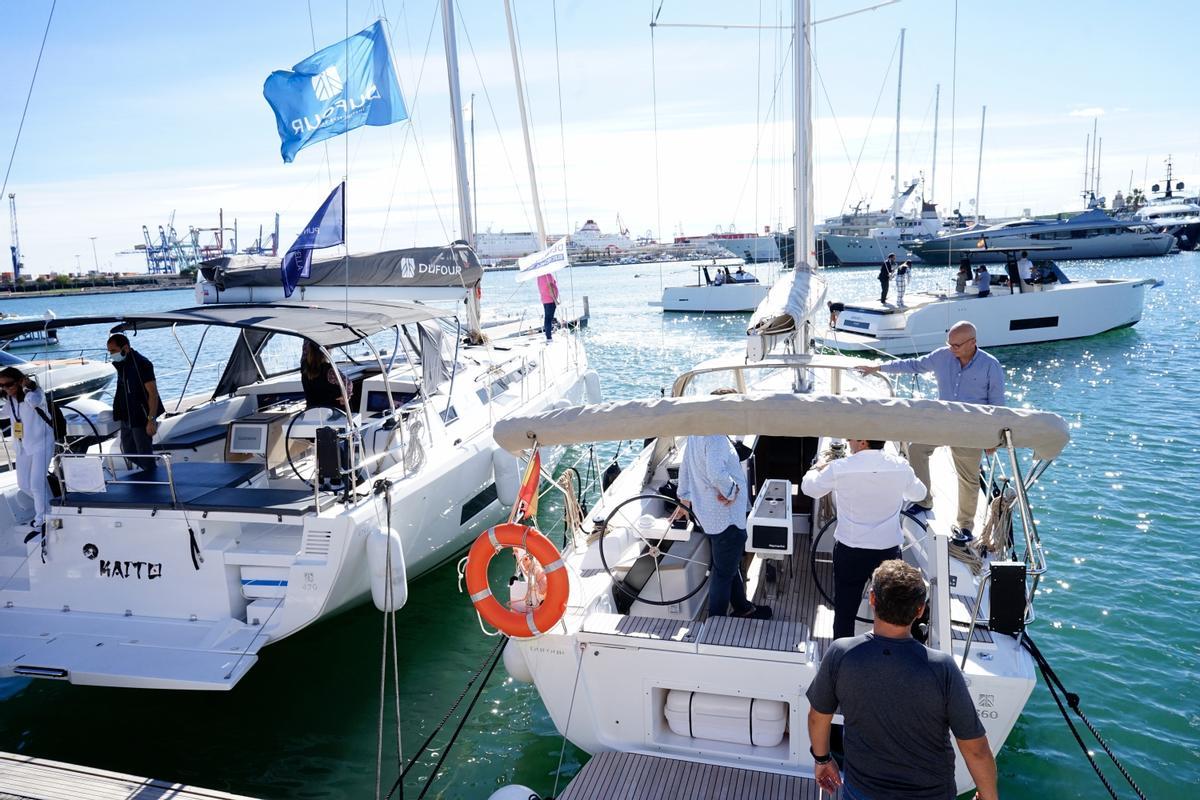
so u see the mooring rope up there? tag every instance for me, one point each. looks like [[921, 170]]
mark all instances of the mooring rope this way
[[1055, 685]]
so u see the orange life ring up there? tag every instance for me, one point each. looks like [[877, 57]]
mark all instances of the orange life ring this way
[[514, 623]]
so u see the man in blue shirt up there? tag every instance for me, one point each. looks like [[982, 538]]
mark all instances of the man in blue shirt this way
[[965, 374], [712, 482]]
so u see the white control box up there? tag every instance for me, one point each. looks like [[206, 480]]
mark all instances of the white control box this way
[[769, 526]]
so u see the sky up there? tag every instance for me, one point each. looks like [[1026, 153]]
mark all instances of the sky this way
[[146, 111]]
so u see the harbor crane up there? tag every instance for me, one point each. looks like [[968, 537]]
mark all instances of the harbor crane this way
[[16, 242]]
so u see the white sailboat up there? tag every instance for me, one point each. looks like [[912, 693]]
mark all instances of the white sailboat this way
[[259, 516], [627, 664]]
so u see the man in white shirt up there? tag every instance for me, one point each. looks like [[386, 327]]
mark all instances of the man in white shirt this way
[[1025, 269], [869, 488]]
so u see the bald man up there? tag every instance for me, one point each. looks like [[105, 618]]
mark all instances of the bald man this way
[[965, 374]]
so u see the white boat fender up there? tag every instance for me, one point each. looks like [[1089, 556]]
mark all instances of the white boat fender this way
[[591, 386], [514, 792], [507, 473], [515, 663], [389, 579]]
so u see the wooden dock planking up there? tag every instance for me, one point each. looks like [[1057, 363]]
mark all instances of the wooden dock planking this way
[[615, 776], [28, 778]]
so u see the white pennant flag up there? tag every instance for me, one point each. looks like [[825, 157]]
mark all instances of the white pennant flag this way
[[543, 262]]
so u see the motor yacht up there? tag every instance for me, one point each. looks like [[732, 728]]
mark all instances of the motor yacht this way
[[717, 290], [1051, 309], [1091, 234]]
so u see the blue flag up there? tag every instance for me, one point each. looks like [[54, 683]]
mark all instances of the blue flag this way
[[335, 90], [327, 228]]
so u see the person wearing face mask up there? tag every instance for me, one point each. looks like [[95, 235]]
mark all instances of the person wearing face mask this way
[[136, 404], [25, 406]]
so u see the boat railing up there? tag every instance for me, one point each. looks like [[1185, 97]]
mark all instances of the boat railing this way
[[111, 476]]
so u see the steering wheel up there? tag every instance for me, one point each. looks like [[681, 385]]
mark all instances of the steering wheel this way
[[78, 444], [654, 550], [287, 437], [812, 555]]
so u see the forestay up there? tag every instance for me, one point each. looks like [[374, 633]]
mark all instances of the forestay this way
[[933, 422]]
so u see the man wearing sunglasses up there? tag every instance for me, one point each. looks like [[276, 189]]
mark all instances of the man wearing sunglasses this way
[[136, 404], [964, 374]]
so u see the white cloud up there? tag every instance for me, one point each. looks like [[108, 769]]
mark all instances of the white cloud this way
[[1091, 111]]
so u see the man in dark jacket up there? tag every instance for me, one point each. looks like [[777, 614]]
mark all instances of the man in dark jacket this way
[[886, 271], [136, 404], [901, 702]]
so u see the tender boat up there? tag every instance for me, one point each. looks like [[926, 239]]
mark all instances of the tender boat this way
[[1053, 309], [736, 292], [259, 518]]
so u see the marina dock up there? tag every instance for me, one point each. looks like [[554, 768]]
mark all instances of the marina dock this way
[[624, 776], [28, 778]]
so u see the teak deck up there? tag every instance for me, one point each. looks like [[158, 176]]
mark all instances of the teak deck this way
[[28, 778], [632, 776]]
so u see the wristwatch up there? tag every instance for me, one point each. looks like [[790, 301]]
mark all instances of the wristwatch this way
[[825, 759]]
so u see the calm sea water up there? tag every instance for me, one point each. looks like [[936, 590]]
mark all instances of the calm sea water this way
[[1118, 513]]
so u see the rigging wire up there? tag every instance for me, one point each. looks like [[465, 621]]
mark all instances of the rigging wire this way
[[654, 106], [772, 108], [562, 142], [866, 136], [495, 121], [410, 129], [312, 33], [28, 96]]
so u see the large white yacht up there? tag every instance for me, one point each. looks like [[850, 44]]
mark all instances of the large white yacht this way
[[853, 250], [1091, 234], [751, 247]]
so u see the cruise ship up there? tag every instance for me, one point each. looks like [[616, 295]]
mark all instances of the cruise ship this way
[[494, 248]]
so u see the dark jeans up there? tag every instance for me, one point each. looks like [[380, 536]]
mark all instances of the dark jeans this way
[[883, 289], [725, 584], [134, 442], [548, 325], [852, 568]]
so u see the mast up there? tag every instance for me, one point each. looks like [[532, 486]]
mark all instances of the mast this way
[[1087, 159], [1096, 171], [462, 186], [1095, 143], [937, 99], [803, 244], [899, 86], [533, 185], [979, 171]]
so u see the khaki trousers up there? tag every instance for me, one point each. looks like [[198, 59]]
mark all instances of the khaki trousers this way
[[966, 464]]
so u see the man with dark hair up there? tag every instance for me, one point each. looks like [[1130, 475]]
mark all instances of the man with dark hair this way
[[900, 701], [869, 488], [886, 271], [136, 404]]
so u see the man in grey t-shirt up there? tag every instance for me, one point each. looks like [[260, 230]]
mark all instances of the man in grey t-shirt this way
[[901, 701]]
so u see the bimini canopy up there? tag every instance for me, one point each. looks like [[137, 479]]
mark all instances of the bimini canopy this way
[[454, 265], [931, 422], [328, 324]]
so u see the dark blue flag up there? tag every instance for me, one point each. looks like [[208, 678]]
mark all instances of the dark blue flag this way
[[335, 90], [327, 228]]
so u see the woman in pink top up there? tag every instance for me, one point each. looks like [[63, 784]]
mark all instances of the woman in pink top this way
[[548, 289]]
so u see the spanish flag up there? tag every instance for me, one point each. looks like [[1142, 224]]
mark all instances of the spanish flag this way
[[527, 497]]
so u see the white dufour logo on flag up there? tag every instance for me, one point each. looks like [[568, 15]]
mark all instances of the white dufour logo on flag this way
[[408, 268], [328, 84]]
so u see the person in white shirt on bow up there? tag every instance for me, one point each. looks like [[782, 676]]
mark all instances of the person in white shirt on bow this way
[[869, 488]]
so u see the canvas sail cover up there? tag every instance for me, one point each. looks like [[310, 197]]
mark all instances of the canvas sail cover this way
[[933, 422], [454, 265]]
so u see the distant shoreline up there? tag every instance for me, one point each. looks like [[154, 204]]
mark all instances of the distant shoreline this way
[[85, 290]]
